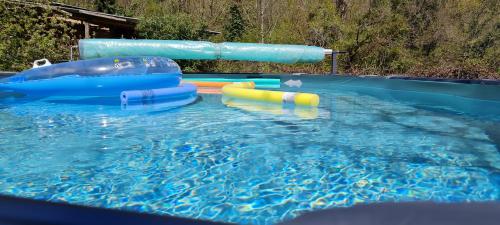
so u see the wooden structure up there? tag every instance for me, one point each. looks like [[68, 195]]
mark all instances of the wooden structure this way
[[93, 24], [90, 24]]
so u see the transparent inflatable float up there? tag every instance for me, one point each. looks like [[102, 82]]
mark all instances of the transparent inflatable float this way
[[96, 77]]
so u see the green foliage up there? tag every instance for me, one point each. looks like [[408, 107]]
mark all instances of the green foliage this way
[[235, 25], [375, 41], [175, 27], [323, 25], [170, 27], [106, 6], [450, 38], [422, 37], [482, 28], [28, 33]]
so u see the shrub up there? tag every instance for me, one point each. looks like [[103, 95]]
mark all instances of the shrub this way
[[30, 32]]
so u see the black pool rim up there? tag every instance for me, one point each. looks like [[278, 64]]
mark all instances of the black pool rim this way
[[23, 211], [4, 74]]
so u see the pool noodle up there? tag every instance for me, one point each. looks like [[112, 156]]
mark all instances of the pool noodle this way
[[175, 93], [245, 90], [259, 82]]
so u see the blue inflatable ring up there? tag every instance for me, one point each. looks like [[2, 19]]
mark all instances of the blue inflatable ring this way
[[96, 77]]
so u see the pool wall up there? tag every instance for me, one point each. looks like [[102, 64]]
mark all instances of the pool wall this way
[[17, 211]]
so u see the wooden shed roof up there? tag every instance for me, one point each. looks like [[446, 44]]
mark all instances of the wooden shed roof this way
[[94, 17]]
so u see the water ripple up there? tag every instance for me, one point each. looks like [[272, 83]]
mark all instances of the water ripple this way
[[214, 162]]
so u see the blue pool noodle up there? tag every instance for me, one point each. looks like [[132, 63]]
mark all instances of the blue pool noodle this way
[[185, 91], [159, 105], [201, 50]]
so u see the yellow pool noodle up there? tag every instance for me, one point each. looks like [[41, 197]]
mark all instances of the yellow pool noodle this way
[[244, 90]]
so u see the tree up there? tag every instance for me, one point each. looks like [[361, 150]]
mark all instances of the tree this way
[[29, 32], [175, 27], [106, 6], [449, 38], [170, 27], [235, 25]]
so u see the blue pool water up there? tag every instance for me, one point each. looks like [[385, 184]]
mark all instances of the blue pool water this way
[[371, 140]]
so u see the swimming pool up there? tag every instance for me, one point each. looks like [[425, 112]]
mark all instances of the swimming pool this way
[[371, 140]]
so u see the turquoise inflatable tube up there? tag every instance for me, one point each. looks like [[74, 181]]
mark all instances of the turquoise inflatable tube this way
[[185, 91], [259, 82], [201, 50]]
